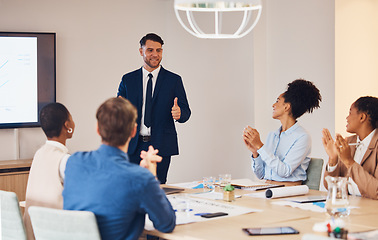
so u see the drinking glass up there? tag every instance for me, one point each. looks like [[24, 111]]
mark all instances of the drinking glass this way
[[183, 203], [208, 184], [224, 179]]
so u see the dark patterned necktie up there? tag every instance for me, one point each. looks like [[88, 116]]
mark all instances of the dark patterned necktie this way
[[148, 103]]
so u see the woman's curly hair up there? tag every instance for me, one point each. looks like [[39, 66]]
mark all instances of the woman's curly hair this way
[[303, 96]]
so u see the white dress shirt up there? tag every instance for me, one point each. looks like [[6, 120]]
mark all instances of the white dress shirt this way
[[143, 129]]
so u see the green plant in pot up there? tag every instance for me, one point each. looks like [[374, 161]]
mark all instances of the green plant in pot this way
[[228, 193]]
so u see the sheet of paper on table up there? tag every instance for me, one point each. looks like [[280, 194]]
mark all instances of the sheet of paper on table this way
[[189, 185], [304, 206], [244, 183], [370, 235], [306, 199], [197, 206], [211, 195]]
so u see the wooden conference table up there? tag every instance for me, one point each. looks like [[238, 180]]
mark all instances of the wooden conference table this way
[[363, 218]]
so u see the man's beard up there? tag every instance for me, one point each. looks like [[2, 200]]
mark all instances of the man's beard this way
[[150, 64]]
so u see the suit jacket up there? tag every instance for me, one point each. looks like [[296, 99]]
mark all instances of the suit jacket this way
[[365, 175], [163, 131]]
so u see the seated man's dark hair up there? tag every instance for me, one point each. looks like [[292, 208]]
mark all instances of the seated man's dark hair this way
[[52, 118], [116, 120], [369, 106], [303, 96], [151, 36]]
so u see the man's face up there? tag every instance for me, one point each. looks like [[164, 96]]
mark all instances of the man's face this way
[[152, 53]]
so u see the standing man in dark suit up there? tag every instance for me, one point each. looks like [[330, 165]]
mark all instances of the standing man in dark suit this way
[[160, 98]]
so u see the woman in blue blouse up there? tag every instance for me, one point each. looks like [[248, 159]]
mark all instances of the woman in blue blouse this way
[[283, 159]]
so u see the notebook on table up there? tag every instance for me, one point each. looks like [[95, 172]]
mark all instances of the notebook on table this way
[[248, 184]]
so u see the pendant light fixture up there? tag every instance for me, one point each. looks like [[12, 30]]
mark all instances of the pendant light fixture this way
[[216, 19]]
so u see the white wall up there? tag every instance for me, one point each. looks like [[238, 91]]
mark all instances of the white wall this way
[[356, 55], [295, 39], [230, 83]]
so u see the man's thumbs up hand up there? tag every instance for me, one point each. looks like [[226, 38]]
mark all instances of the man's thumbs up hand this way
[[176, 111]]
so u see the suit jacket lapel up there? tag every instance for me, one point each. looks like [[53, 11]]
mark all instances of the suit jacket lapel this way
[[140, 89], [159, 83], [373, 143]]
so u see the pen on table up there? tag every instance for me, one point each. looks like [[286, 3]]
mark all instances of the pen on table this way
[[353, 144]]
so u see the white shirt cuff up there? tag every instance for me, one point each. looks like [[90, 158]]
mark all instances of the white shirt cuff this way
[[331, 169]]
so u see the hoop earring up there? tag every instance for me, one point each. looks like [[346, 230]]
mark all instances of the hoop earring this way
[[70, 130]]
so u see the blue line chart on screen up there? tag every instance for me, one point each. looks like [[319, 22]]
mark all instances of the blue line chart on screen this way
[[1, 66]]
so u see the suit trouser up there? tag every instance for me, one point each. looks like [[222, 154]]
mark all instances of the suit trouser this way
[[162, 167]]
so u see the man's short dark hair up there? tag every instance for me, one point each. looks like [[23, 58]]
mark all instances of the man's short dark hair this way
[[151, 36], [116, 120], [52, 118], [369, 106], [303, 96]]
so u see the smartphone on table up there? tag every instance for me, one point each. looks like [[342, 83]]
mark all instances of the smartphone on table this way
[[269, 231]]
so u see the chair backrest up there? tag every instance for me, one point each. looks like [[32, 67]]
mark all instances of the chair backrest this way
[[12, 226], [57, 224], [314, 173]]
